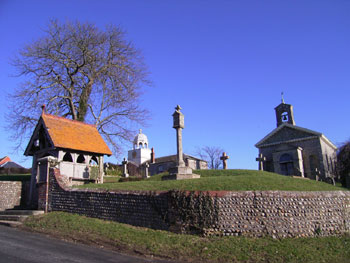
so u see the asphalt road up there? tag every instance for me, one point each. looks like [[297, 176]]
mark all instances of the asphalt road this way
[[20, 246]]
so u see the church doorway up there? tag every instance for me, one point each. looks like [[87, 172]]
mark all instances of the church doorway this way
[[286, 164]]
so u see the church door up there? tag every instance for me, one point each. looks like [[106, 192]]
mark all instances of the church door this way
[[286, 164]]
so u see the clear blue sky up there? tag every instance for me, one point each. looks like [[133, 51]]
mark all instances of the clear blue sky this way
[[225, 62]]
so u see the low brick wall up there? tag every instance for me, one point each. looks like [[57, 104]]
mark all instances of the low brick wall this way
[[250, 213], [10, 194]]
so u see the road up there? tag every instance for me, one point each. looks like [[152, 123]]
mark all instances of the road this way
[[20, 246]]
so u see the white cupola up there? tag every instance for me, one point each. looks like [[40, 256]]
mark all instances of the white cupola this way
[[140, 141], [140, 152]]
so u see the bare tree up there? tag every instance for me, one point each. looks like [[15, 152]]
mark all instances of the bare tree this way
[[83, 73], [211, 154]]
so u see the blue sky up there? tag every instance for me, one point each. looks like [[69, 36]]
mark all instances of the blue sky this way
[[225, 62]]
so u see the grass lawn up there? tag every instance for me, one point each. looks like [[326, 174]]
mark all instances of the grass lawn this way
[[188, 248], [216, 180]]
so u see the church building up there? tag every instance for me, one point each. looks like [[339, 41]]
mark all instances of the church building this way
[[293, 150]]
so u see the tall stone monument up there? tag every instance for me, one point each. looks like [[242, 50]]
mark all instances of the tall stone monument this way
[[181, 171]]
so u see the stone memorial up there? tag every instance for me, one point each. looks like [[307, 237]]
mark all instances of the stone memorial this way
[[224, 158], [181, 171]]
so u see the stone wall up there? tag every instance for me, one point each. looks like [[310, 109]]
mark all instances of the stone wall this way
[[284, 214], [10, 194], [250, 213], [135, 208]]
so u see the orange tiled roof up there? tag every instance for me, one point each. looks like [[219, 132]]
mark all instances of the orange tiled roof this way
[[4, 160], [74, 135]]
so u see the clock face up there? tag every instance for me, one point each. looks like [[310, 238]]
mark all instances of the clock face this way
[[134, 154]]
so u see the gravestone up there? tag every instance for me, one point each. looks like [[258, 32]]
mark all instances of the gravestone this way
[[181, 171], [146, 170], [125, 168], [261, 159]]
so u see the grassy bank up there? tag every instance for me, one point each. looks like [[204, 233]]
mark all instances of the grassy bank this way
[[229, 180], [125, 238]]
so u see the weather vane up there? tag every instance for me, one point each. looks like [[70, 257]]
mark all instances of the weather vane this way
[[282, 97]]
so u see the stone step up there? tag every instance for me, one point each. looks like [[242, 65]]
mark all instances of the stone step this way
[[13, 217], [10, 223], [22, 212]]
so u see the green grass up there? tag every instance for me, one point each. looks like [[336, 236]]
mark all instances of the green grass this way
[[15, 177], [182, 248], [229, 180]]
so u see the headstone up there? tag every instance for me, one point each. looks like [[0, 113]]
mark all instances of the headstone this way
[[146, 170], [317, 174], [224, 158], [181, 171], [125, 168], [261, 159]]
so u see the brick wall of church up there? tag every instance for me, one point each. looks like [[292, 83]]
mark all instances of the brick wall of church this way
[[250, 213]]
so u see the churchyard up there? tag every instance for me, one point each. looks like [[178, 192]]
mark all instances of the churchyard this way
[[221, 180]]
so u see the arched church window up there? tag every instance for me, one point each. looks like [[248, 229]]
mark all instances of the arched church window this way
[[140, 145], [93, 160], [145, 145], [67, 158], [81, 159]]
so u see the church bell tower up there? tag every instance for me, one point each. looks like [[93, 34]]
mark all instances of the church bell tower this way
[[284, 113]]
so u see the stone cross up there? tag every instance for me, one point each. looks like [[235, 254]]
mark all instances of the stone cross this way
[[178, 124], [261, 159], [146, 170], [125, 168], [224, 157]]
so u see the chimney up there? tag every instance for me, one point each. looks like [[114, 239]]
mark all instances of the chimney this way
[[43, 109], [153, 157]]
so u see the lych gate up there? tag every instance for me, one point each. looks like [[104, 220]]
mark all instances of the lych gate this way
[[77, 149]]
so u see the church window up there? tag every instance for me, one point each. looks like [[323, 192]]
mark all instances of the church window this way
[[67, 158], [160, 168], [140, 144], [145, 145], [81, 159]]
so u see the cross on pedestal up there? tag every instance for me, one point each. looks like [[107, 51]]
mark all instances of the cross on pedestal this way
[[224, 157], [261, 159]]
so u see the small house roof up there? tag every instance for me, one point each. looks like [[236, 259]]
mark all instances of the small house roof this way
[[173, 158], [71, 134], [4, 160]]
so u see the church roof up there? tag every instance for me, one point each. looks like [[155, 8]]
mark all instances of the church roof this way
[[300, 135], [70, 134]]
